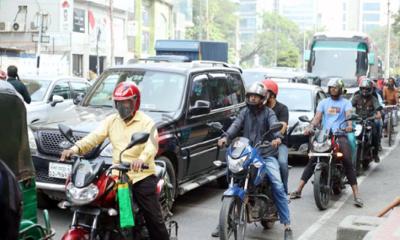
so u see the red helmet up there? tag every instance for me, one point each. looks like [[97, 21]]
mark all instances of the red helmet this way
[[126, 91], [270, 85]]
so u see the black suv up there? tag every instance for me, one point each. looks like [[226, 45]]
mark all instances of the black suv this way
[[181, 98]]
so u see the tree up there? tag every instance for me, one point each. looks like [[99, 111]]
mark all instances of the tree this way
[[279, 36], [219, 24]]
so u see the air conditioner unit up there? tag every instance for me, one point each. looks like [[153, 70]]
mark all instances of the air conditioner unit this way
[[18, 27], [5, 26]]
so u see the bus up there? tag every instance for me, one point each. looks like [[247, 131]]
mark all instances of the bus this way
[[348, 55]]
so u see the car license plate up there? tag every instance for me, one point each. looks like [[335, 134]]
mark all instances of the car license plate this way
[[59, 170]]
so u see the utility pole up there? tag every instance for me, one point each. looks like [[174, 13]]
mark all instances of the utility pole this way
[[112, 34], [207, 21], [97, 52], [39, 42], [387, 54]]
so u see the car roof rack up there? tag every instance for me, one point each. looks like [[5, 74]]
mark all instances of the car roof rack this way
[[199, 63]]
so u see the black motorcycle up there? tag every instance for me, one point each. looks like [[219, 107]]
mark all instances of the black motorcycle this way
[[365, 148]]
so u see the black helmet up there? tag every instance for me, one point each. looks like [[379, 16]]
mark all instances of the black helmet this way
[[12, 71], [366, 87], [336, 83]]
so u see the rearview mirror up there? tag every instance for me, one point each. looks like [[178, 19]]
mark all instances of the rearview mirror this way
[[304, 118], [200, 107], [78, 98], [138, 138], [276, 127], [56, 99], [66, 132]]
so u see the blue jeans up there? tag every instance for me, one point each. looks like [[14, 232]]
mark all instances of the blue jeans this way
[[278, 190], [283, 165]]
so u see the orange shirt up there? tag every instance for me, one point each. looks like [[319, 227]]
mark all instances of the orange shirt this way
[[390, 95]]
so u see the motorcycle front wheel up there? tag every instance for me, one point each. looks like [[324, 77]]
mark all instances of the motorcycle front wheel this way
[[322, 190], [232, 219]]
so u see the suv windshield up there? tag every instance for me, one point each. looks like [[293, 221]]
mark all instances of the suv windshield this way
[[37, 89], [160, 91]]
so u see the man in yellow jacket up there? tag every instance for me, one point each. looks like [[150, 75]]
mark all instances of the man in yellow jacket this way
[[119, 129]]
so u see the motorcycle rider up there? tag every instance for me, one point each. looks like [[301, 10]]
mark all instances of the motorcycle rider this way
[[119, 128], [255, 120], [333, 111], [365, 103], [390, 95], [282, 113]]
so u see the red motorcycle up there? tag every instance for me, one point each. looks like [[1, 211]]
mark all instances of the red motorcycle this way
[[91, 192]]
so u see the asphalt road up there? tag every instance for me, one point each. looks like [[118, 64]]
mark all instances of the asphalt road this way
[[197, 211]]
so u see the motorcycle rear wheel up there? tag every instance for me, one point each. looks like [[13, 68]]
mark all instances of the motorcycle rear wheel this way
[[322, 190], [232, 219]]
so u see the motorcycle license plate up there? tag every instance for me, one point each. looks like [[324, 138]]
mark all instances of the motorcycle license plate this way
[[59, 170]]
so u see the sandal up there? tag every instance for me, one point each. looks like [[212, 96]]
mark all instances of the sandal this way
[[358, 202], [295, 195]]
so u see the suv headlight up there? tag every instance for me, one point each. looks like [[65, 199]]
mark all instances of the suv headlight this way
[[82, 196], [107, 152], [32, 141], [236, 165]]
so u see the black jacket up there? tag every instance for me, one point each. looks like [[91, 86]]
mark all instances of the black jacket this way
[[254, 125], [21, 89]]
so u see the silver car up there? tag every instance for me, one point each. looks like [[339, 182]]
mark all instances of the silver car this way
[[52, 97]]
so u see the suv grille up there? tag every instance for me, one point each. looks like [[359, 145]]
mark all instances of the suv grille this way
[[49, 141]]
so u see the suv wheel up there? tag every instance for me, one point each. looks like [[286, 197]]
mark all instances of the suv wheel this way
[[170, 176]]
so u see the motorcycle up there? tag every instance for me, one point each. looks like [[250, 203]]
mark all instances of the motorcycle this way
[[91, 192], [363, 133], [329, 170], [248, 198]]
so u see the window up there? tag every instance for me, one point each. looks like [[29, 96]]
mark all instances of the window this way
[[371, 6], [248, 7], [61, 89], [199, 90], [119, 60], [77, 65], [236, 90], [78, 88], [371, 17], [219, 91], [248, 23]]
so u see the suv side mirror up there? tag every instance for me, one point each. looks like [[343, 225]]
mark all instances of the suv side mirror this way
[[78, 98], [56, 99], [200, 107]]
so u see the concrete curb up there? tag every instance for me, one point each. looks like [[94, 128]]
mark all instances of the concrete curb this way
[[357, 227]]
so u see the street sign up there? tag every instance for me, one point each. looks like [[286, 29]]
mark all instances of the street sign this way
[[45, 38]]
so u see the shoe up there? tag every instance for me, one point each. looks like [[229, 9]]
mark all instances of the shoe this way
[[358, 202], [288, 234], [295, 195], [215, 233], [376, 158]]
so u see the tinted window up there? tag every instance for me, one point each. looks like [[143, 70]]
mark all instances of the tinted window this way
[[78, 87], [297, 100], [199, 90], [219, 91], [236, 89], [160, 91], [62, 89]]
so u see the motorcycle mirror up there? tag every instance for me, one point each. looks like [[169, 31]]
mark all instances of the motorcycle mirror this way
[[66, 132], [380, 108], [138, 138], [276, 127], [353, 117], [215, 125], [304, 118]]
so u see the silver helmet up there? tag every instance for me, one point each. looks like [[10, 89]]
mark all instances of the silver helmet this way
[[256, 88]]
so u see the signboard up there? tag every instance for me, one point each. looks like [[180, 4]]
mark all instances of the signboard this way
[[66, 15], [79, 20]]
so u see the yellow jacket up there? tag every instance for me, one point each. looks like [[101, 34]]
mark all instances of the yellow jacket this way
[[119, 133]]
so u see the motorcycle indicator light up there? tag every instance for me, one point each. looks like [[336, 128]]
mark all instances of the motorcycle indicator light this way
[[339, 155]]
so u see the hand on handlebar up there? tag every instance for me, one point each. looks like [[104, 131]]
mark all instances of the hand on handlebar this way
[[308, 131], [222, 142], [348, 129], [276, 142], [137, 165], [66, 154]]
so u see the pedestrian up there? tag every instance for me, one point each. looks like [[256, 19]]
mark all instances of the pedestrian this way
[[13, 79]]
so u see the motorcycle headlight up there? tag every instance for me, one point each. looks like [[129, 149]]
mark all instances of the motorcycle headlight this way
[[107, 152], [299, 130], [236, 165], [32, 141], [358, 130], [321, 147], [82, 196]]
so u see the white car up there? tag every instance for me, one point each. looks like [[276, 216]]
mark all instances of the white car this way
[[52, 97]]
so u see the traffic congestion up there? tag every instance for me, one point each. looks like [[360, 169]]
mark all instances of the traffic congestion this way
[[189, 141]]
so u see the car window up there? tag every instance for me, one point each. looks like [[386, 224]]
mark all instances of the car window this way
[[199, 90], [78, 88], [160, 91], [219, 91], [236, 90], [297, 100], [62, 89], [37, 89]]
